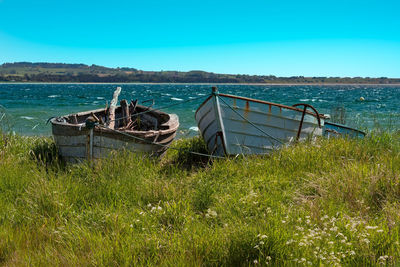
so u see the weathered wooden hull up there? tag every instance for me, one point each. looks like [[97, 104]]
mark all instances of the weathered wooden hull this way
[[339, 130], [74, 140], [225, 122]]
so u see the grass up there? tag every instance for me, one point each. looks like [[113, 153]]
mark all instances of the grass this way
[[333, 202]]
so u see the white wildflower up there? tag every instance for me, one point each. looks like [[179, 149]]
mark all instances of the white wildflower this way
[[289, 242], [382, 259], [211, 213], [340, 234], [365, 240]]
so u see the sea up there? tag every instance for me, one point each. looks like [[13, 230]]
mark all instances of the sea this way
[[26, 108]]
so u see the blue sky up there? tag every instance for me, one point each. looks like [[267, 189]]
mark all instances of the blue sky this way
[[283, 38]]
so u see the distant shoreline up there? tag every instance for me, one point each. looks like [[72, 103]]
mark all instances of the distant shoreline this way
[[216, 84], [32, 72]]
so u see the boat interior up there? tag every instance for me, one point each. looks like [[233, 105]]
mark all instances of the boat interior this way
[[124, 117]]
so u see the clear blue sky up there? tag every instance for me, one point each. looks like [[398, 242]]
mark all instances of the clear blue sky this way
[[277, 37]]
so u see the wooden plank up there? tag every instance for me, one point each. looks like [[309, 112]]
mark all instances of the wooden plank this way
[[113, 105], [125, 112], [72, 140], [133, 105], [74, 119], [67, 151]]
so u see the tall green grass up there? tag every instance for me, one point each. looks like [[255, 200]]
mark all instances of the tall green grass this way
[[332, 202]]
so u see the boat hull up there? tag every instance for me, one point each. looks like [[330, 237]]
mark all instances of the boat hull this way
[[339, 130], [232, 125], [76, 143]]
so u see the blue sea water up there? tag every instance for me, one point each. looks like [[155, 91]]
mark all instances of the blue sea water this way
[[27, 107]]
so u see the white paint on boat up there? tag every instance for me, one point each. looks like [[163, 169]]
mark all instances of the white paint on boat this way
[[76, 146], [226, 132]]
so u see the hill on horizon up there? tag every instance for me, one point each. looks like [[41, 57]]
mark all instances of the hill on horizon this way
[[63, 72]]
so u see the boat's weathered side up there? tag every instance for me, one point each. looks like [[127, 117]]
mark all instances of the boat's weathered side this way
[[234, 125], [74, 140], [339, 130]]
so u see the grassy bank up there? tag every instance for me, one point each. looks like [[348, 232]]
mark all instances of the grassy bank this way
[[332, 202]]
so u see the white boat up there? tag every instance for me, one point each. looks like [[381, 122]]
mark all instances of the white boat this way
[[76, 141], [232, 125]]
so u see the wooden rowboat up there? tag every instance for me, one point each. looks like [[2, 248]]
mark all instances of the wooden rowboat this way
[[78, 140], [232, 125]]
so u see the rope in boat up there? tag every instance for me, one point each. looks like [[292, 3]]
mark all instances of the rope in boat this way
[[255, 126], [159, 109], [161, 145]]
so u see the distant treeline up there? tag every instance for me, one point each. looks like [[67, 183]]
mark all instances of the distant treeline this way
[[61, 72]]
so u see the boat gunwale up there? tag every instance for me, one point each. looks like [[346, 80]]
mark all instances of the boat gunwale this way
[[344, 126], [261, 102], [145, 134]]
